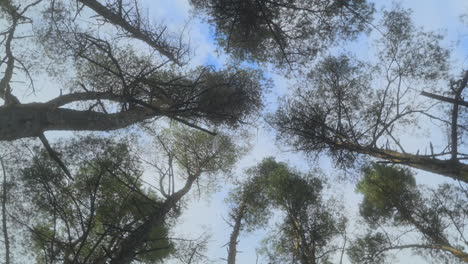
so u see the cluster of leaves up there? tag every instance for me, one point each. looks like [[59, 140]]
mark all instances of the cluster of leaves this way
[[284, 32], [227, 96], [347, 108], [392, 199], [310, 225], [83, 220]]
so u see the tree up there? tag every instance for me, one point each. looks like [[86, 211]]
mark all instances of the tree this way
[[350, 109], [104, 213], [250, 205], [113, 86], [4, 213], [196, 155], [86, 219], [284, 32], [310, 224], [392, 199]]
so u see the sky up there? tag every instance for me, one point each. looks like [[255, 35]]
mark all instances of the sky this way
[[207, 213]]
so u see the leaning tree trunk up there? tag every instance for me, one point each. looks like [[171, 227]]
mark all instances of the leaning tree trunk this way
[[233, 240], [450, 168]]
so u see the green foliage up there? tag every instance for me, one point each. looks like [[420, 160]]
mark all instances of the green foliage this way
[[251, 200], [391, 198], [321, 115], [196, 152], [5, 3], [283, 32], [310, 223], [369, 249], [389, 191], [289, 189], [337, 110], [85, 218], [420, 54], [226, 96]]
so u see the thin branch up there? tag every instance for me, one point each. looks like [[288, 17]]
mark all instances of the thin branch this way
[[135, 30], [54, 156], [5, 89]]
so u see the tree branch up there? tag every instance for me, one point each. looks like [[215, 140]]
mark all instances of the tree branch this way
[[445, 99], [53, 154], [136, 32]]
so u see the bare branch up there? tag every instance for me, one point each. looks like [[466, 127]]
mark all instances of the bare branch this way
[[135, 30], [54, 155]]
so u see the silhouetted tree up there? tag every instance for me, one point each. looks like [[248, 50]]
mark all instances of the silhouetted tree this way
[[350, 109], [284, 32], [310, 224], [112, 86]]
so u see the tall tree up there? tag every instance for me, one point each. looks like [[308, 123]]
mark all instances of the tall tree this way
[[392, 199], [193, 157], [85, 219], [350, 109], [310, 224], [250, 206], [104, 213], [284, 32], [113, 86]]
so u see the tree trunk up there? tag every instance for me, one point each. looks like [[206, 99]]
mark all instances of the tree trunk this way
[[31, 120], [449, 168], [233, 240], [4, 213], [126, 253]]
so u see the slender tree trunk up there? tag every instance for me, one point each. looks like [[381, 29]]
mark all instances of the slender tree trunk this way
[[233, 240], [4, 220], [344, 247]]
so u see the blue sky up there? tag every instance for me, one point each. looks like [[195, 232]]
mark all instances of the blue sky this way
[[208, 213]]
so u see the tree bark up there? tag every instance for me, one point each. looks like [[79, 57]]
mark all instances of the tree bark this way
[[233, 240], [450, 168], [31, 120]]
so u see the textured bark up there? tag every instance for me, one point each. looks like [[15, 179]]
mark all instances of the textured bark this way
[[449, 168], [31, 120], [233, 240], [445, 99]]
